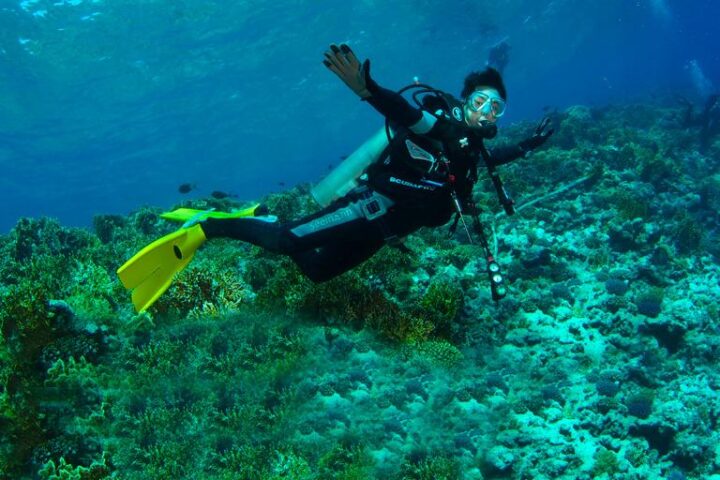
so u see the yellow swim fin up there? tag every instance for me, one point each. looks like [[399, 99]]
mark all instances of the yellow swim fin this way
[[149, 273], [190, 215]]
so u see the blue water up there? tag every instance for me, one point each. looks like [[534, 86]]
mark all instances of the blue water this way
[[106, 106]]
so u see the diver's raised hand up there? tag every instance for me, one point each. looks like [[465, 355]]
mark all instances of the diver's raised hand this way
[[343, 63], [542, 133]]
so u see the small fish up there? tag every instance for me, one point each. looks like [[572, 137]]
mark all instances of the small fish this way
[[343, 157], [220, 195], [281, 184], [186, 188]]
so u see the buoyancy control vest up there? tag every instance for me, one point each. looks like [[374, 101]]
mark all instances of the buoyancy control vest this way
[[442, 160], [396, 157]]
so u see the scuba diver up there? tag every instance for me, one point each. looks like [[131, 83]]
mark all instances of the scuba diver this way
[[417, 172], [499, 55], [708, 120]]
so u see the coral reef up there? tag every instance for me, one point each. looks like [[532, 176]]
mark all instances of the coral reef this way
[[600, 363]]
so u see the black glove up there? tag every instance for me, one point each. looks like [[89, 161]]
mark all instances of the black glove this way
[[343, 63], [539, 137]]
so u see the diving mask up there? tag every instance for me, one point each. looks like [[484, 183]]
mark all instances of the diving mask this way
[[487, 101]]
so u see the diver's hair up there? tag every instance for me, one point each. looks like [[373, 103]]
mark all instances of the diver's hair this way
[[487, 78]]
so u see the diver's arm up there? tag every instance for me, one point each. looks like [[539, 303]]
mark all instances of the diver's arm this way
[[395, 108], [506, 154], [503, 155], [343, 63]]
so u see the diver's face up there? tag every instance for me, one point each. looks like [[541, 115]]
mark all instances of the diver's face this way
[[483, 105]]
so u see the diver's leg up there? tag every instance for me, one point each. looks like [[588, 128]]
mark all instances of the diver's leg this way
[[338, 222], [260, 231], [320, 255], [336, 258], [324, 244]]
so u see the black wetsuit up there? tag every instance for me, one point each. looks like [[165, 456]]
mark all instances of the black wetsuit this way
[[430, 156]]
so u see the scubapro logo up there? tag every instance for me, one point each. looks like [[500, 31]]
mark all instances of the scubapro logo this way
[[331, 220], [416, 186]]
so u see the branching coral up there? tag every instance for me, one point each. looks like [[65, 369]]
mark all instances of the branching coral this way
[[202, 291], [72, 375], [688, 234], [106, 225], [44, 236], [93, 293], [437, 352], [606, 463], [630, 205], [441, 304], [345, 462], [347, 299], [25, 320], [436, 467]]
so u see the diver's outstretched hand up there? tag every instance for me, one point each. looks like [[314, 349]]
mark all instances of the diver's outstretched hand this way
[[343, 63], [542, 133]]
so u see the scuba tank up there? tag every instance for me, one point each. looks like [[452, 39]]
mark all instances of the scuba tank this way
[[344, 177]]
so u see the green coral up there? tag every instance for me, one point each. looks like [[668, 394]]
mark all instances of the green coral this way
[[62, 470], [345, 462], [438, 352], [36, 237], [392, 268], [606, 463], [433, 468], [79, 375], [657, 168], [261, 270], [40, 328], [348, 299], [246, 462], [25, 321], [145, 221], [688, 234], [170, 459], [106, 225], [30, 333], [599, 258], [202, 290], [461, 254], [159, 358], [630, 205], [234, 416], [284, 287], [93, 292], [26, 330], [442, 303], [290, 466], [354, 299]]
